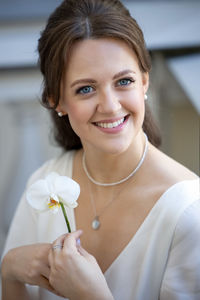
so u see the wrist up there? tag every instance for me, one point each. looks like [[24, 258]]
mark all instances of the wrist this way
[[6, 267], [12, 290]]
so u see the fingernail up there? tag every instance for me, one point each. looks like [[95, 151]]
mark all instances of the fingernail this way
[[78, 242]]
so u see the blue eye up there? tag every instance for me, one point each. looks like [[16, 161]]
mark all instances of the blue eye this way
[[125, 81], [85, 90]]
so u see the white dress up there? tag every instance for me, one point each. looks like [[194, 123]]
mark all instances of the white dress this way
[[161, 261]]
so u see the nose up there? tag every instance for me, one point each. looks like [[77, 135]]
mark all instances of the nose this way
[[108, 102]]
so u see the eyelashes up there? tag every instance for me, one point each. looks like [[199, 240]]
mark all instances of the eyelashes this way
[[85, 90], [88, 89], [125, 81]]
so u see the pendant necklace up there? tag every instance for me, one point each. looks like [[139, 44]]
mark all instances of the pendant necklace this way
[[96, 221]]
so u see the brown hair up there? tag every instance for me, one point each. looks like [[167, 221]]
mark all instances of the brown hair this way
[[78, 20]]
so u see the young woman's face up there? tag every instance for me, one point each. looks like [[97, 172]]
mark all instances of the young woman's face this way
[[103, 94]]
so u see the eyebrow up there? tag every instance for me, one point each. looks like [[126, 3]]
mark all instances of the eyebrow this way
[[122, 73], [89, 80], [85, 80]]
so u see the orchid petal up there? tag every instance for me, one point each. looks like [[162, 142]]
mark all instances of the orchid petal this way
[[52, 192], [38, 195], [68, 190], [51, 179]]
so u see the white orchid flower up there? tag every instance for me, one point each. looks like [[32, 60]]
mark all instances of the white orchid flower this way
[[52, 192]]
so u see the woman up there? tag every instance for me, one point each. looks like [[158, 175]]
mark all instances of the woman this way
[[138, 209]]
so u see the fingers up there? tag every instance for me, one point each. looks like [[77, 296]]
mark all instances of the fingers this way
[[71, 239], [72, 245], [74, 236], [83, 252], [86, 255], [58, 243], [56, 247], [66, 242], [44, 283]]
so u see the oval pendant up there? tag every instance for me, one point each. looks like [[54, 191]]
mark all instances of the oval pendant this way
[[96, 223]]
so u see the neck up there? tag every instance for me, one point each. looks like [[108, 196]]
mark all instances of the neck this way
[[112, 168]]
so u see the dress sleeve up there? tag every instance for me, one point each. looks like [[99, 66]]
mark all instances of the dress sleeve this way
[[23, 229], [181, 280]]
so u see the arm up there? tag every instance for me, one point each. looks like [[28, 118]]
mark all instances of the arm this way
[[25, 264], [13, 290], [182, 276], [75, 273]]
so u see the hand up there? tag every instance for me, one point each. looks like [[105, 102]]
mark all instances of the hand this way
[[28, 264], [75, 273]]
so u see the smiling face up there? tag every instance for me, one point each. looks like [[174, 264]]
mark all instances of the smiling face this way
[[103, 94]]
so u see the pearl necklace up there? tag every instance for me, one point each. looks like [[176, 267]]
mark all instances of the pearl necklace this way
[[122, 180]]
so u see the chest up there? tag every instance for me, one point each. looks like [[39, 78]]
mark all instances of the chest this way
[[119, 223]]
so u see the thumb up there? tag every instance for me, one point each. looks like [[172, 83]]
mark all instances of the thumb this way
[[72, 239]]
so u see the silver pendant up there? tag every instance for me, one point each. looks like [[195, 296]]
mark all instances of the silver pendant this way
[[96, 223]]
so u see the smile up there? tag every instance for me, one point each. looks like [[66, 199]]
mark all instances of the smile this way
[[110, 125]]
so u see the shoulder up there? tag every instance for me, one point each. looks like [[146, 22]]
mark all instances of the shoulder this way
[[167, 169], [164, 176], [187, 231], [185, 247], [188, 226], [61, 164], [185, 196], [183, 201]]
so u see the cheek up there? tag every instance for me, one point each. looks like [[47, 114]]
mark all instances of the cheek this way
[[78, 113], [134, 102]]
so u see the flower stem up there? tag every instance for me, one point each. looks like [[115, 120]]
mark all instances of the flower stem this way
[[65, 216]]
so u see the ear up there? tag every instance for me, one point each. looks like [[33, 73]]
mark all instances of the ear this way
[[58, 108], [145, 81]]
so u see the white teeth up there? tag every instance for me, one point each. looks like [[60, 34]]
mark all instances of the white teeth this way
[[110, 125]]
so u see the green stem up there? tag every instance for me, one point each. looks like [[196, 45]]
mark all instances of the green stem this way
[[65, 216]]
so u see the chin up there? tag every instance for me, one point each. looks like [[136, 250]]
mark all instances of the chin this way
[[115, 149]]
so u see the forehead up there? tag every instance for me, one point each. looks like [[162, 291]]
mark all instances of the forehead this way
[[106, 54]]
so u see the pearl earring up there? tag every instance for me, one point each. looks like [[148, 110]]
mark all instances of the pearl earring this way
[[60, 114], [145, 97]]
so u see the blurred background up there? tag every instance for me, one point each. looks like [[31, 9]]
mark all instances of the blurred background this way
[[172, 33]]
